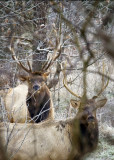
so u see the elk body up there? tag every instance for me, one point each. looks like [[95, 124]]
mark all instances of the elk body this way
[[54, 139]]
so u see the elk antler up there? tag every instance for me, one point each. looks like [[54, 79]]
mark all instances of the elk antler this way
[[55, 55], [103, 86], [66, 86], [18, 62]]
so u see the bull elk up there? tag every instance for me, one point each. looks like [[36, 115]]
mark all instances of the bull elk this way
[[55, 140], [32, 98]]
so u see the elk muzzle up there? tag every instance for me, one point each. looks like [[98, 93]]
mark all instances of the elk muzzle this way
[[91, 118], [36, 87]]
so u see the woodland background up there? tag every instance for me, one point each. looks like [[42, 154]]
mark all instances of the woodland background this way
[[84, 30]]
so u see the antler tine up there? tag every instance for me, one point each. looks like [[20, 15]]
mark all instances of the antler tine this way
[[52, 60], [49, 64], [45, 64], [18, 62], [103, 86], [55, 55], [29, 66], [65, 84], [102, 89]]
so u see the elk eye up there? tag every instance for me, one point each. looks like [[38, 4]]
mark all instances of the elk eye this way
[[36, 87]]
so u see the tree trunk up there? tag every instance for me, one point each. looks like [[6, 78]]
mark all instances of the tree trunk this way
[[39, 37]]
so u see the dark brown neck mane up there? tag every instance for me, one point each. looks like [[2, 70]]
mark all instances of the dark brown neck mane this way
[[39, 104], [85, 137]]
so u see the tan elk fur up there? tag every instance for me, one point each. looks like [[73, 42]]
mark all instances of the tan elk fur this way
[[53, 140], [15, 103]]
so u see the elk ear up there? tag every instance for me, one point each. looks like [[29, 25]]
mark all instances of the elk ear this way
[[75, 103], [23, 78], [101, 103]]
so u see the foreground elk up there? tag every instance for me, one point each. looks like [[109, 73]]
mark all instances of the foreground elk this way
[[55, 140], [32, 98]]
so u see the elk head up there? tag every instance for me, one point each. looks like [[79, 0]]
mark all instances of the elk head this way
[[36, 79], [35, 82], [87, 111]]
